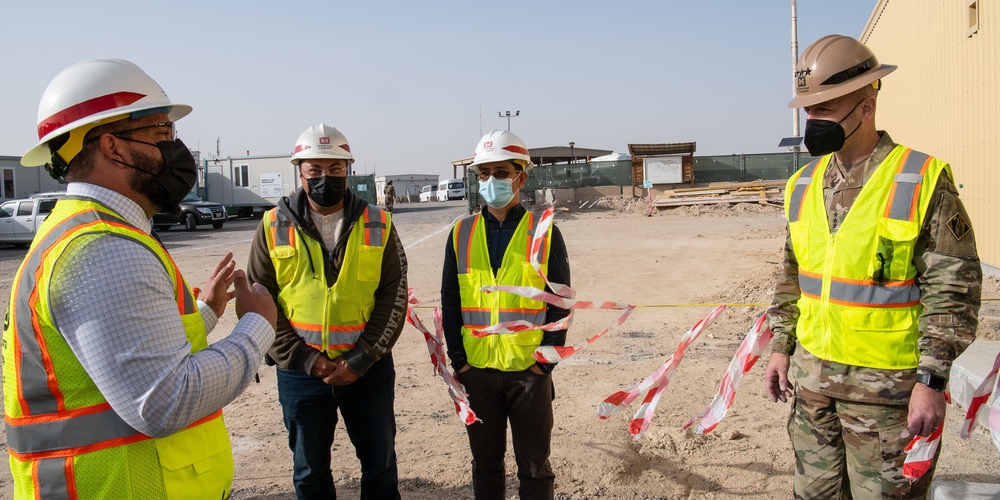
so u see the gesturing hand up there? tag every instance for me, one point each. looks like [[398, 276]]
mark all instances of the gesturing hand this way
[[216, 291], [256, 300]]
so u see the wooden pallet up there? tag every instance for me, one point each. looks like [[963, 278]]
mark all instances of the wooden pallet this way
[[763, 192]]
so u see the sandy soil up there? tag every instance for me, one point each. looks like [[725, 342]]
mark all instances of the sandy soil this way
[[693, 255]]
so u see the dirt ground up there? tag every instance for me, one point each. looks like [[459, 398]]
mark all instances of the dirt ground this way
[[693, 255]]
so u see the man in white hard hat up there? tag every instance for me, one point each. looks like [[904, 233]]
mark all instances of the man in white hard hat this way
[[880, 287], [337, 269], [111, 390], [503, 380]]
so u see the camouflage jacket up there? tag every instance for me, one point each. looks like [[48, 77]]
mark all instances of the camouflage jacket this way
[[948, 274]]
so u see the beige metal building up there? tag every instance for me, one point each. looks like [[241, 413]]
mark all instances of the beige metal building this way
[[943, 100]]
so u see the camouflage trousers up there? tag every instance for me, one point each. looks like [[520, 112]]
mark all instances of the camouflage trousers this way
[[846, 449]]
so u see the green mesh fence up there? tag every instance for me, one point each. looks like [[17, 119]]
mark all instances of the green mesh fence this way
[[723, 168]]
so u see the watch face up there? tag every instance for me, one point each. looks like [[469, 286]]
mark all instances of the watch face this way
[[932, 381]]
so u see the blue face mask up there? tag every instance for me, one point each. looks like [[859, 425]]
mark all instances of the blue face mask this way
[[497, 192]]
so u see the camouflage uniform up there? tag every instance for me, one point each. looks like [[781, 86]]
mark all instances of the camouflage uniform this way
[[853, 415]]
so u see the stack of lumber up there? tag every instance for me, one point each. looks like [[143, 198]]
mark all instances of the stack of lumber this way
[[764, 192]]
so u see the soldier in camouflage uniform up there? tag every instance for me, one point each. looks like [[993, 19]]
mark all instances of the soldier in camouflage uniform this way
[[849, 423]]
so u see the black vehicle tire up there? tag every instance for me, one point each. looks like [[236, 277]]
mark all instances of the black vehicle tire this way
[[162, 229], [217, 225], [190, 221]]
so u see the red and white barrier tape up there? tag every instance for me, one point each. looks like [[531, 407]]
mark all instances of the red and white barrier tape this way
[[435, 347], [746, 356], [562, 296], [655, 383], [920, 454], [979, 398]]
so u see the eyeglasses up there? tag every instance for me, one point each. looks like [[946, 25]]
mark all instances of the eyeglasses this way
[[169, 126], [499, 174], [331, 171]]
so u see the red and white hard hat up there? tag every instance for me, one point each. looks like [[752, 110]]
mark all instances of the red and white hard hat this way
[[502, 145], [321, 142], [89, 92]]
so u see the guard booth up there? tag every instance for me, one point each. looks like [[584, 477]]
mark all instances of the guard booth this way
[[658, 164]]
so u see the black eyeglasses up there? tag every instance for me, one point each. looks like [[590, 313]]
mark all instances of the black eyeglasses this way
[[879, 277], [499, 174]]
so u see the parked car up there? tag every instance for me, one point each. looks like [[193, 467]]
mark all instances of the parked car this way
[[194, 212], [19, 219], [428, 193], [451, 189]]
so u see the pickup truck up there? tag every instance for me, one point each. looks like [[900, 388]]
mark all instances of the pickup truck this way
[[20, 219]]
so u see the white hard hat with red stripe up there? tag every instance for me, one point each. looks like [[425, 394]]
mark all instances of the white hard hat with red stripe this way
[[502, 145], [321, 142], [92, 92]]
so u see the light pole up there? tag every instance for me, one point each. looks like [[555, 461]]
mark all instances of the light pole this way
[[571, 155], [508, 115]]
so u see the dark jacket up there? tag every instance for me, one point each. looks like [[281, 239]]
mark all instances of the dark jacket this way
[[386, 322], [498, 236]]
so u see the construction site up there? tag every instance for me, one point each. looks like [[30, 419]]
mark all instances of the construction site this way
[[675, 266]]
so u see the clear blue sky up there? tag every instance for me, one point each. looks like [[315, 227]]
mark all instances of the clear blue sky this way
[[412, 84]]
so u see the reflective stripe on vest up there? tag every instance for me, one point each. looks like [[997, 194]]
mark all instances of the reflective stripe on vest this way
[[862, 293], [799, 191], [308, 322], [906, 186]]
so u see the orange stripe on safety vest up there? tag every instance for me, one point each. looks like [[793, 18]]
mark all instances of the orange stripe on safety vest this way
[[331, 328], [54, 417], [366, 218], [71, 479], [103, 445]]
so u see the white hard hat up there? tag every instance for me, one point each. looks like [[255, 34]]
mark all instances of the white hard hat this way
[[89, 92], [502, 145], [321, 142]]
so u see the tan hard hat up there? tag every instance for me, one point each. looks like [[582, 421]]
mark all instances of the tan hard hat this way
[[834, 66]]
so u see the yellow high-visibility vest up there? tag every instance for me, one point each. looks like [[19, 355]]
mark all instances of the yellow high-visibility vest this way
[[859, 301], [509, 351], [64, 439], [329, 318]]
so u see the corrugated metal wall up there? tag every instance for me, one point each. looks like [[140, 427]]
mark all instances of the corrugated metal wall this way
[[943, 98]]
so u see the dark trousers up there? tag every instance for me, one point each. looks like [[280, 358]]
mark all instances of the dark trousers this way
[[310, 409], [525, 399]]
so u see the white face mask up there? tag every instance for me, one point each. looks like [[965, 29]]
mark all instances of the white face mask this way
[[497, 192]]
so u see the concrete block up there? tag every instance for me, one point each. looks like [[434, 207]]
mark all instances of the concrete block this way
[[968, 371], [953, 490]]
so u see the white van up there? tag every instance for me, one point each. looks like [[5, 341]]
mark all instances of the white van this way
[[451, 189], [428, 193]]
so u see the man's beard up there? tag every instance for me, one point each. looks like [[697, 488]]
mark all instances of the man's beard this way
[[146, 185]]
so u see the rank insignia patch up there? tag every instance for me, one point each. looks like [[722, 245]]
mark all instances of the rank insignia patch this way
[[959, 226]]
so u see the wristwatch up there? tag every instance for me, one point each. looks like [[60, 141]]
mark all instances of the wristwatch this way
[[932, 381]]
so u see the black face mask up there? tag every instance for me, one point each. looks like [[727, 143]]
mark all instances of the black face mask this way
[[179, 172], [824, 136], [326, 191]]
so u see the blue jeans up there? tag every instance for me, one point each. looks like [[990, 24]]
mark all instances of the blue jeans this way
[[310, 409]]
